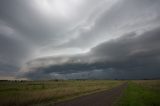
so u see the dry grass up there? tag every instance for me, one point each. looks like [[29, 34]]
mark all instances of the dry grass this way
[[153, 84], [42, 92]]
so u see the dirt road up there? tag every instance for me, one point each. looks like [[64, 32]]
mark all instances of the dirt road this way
[[105, 98]]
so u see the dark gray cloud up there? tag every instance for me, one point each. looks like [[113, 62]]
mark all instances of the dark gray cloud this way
[[130, 56], [12, 52], [44, 39]]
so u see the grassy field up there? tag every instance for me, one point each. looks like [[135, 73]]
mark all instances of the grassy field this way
[[141, 93], [48, 92]]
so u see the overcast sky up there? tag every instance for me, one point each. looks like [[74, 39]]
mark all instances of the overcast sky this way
[[79, 39]]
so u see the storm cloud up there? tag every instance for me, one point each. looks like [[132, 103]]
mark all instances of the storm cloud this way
[[128, 57], [80, 39]]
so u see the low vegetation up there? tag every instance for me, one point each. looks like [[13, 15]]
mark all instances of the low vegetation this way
[[28, 93], [141, 93]]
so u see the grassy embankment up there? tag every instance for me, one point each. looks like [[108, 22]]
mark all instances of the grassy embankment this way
[[49, 92], [141, 93]]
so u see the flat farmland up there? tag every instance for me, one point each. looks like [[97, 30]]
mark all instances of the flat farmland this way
[[28, 93], [80, 93]]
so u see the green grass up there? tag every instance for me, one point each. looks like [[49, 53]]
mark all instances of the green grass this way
[[141, 93], [48, 92]]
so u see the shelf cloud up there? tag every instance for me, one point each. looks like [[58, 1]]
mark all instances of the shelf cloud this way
[[79, 39]]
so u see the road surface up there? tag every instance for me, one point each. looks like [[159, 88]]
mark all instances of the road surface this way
[[104, 98]]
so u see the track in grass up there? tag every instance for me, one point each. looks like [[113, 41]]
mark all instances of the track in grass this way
[[46, 93], [105, 98]]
